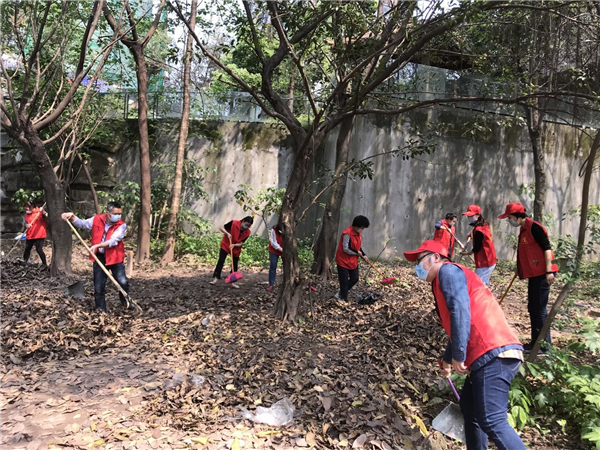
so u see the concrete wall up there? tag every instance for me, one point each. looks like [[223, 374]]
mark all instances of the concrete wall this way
[[405, 197]]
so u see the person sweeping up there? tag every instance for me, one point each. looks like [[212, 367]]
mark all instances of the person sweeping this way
[[445, 231], [108, 231], [235, 233], [35, 232], [483, 249], [348, 251], [482, 345], [535, 262]]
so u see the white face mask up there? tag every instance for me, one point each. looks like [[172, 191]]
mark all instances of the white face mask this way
[[513, 223], [472, 219]]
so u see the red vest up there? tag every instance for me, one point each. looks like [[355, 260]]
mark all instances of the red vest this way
[[445, 238], [113, 255], [38, 229], [530, 256], [486, 256], [236, 238], [342, 258], [489, 328], [279, 238]]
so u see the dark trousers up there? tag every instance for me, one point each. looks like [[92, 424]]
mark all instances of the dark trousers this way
[[348, 278], [222, 257], [118, 272], [39, 248], [484, 404], [538, 291]]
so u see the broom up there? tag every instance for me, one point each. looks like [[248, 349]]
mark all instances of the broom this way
[[385, 280], [233, 276]]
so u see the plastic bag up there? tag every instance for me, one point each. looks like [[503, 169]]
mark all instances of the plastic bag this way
[[193, 379], [367, 298], [279, 414]]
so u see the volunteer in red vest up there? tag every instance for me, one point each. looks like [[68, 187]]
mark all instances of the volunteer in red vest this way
[[108, 231], [235, 232], [445, 231], [35, 232], [275, 251], [535, 262], [482, 345], [348, 251], [483, 244]]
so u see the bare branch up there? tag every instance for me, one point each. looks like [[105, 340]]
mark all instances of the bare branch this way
[[257, 47], [154, 25]]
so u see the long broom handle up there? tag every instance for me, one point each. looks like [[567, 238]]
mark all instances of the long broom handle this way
[[25, 231], [231, 253], [507, 289], [104, 269], [458, 242], [371, 264]]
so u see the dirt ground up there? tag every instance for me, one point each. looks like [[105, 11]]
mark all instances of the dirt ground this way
[[357, 376]]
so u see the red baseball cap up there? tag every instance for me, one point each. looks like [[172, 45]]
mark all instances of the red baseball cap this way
[[426, 246], [472, 210], [512, 208]]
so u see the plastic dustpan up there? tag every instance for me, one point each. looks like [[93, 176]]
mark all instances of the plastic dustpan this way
[[233, 277], [76, 290], [451, 422]]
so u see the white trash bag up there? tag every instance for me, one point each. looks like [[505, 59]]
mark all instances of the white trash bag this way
[[279, 414], [192, 378]]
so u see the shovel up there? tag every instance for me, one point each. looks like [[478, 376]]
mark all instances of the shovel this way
[[76, 290], [130, 302], [450, 421], [387, 281], [458, 242], [233, 276]]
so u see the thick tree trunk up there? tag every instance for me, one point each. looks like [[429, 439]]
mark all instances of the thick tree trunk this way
[[535, 126], [143, 241], [289, 302], [169, 250], [326, 243], [55, 200]]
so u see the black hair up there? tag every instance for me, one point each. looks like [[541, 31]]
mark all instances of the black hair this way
[[520, 215], [248, 219], [480, 221], [450, 216], [112, 205], [28, 205], [360, 222]]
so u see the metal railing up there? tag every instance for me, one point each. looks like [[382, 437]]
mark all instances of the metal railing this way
[[412, 83]]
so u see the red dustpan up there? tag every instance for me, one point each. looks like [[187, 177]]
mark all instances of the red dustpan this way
[[233, 276]]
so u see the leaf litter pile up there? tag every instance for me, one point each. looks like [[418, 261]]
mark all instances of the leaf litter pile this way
[[202, 359]]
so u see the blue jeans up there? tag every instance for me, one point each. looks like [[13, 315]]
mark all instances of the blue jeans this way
[[484, 273], [273, 260], [484, 404], [118, 271]]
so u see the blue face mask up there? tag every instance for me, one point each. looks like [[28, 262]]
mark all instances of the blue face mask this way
[[28, 212], [421, 273], [115, 217], [245, 227], [513, 223]]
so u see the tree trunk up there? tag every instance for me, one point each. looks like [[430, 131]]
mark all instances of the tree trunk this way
[[55, 200], [585, 200], [143, 241], [169, 250], [287, 305], [535, 126], [326, 243], [91, 183]]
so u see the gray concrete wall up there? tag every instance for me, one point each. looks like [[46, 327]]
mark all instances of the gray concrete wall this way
[[405, 197]]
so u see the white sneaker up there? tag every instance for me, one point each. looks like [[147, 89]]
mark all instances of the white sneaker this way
[[233, 285], [337, 295], [214, 281]]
